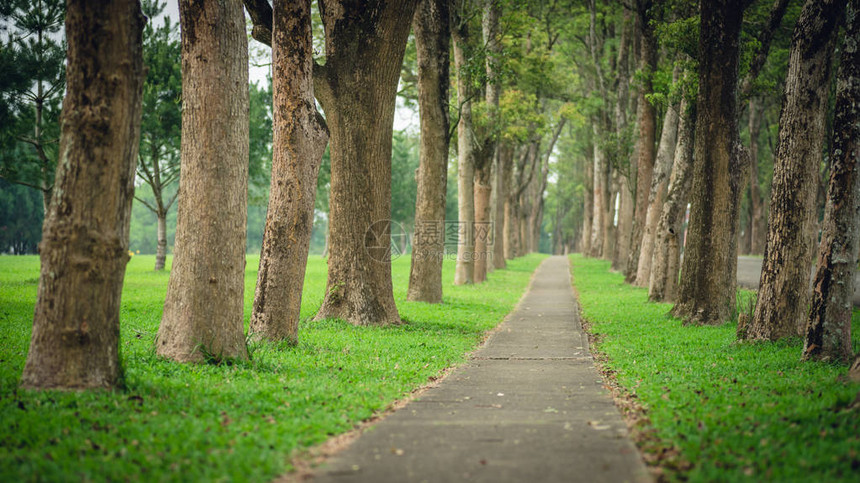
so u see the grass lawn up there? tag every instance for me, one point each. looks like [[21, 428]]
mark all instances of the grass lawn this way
[[178, 422], [732, 411]]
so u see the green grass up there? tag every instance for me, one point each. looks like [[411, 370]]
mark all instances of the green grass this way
[[735, 411], [178, 422]]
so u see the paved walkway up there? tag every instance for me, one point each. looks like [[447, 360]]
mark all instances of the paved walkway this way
[[528, 407]]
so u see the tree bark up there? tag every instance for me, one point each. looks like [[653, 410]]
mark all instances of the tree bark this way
[[708, 280], [588, 209], [506, 159], [758, 227], [647, 123], [357, 88], [627, 180], [599, 192], [84, 248], [828, 334], [465, 270], [783, 297], [161, 237], [203, 311], [299, 140], [663, 284], [501, 194], [659, 187], [432, 38]]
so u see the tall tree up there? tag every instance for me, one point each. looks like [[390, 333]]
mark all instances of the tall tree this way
[[158, 165], [659, 188], [357, 87], [300, 137], [75, 340], [31, 88], [203, 310], [828, 334], [432, 32], [708, 280], [666, 259], [782, 304], [647, 122], [464, 272]]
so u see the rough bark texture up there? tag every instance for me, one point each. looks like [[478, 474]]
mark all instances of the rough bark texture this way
[[600, 185], [432, 39], [708, 279], [588, 209], [465, 269], [659, 187], [485, 175], [647, 122], [783, 297], [627, 180], [500, 190], [161, 237], [84, 248], [828, 335], [203, 311], [757, 225], [299, 139], [506, 160], [357, 88], [663, 284]]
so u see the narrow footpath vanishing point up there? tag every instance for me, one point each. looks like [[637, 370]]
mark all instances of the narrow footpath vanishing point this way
[[528, 406]]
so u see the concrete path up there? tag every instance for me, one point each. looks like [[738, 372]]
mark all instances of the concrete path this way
[[749, 275], [528, 407]]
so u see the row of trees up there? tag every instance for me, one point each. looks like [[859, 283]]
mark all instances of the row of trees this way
[[709, 71], [526, 76]]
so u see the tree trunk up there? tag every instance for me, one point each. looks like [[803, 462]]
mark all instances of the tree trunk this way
[[432, 39], [659, 186], [627, 179], [84, 248], [599, 192], [161, 234], [588, 209], [783, 297], [758, 227], [299, 140], [203, 311], [465, 269], [501, 189], [647, 123], [507, 162], [663, 283], [492, 41], [357, 88], [481, 228], [828, 335], [609, 233], [708, 280]]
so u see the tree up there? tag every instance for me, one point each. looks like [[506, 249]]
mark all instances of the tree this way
[[300, 137], [659, 188], [647, 123], [432, 40], [357, 87], [203, 310], [75, 339], [708, 280], [464, 272], [828, 334], [666, 259], [782, 304], [31, 89], [158, 165]]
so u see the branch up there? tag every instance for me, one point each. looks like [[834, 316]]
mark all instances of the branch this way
[[145, 203], [24, 183], [261, 16], [170, 202]]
